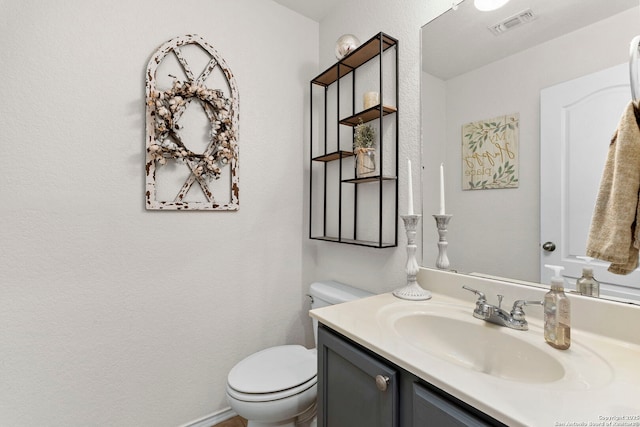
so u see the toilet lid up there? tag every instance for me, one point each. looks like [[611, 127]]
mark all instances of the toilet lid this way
[[274, 369]]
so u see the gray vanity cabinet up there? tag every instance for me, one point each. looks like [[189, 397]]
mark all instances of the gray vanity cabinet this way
[[354, 389], [358, 388]]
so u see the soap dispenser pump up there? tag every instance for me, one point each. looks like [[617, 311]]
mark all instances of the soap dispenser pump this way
[[587, 284], [557, 312]]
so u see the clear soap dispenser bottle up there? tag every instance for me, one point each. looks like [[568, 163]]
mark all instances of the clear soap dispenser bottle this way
[[557, 312], [587, 284]]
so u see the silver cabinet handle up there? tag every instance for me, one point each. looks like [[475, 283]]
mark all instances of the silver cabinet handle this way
[[549, 246], [382, 382]]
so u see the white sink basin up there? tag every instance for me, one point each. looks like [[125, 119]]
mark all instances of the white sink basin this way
[[479, 346], [450, 333]]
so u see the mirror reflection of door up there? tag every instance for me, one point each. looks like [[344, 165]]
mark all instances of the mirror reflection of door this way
[[579, 116]]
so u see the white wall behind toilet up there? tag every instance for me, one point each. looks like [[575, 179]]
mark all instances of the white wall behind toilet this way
[[111, 315]]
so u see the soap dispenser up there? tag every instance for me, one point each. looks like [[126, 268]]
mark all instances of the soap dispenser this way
[[587, 284], [557, 312]]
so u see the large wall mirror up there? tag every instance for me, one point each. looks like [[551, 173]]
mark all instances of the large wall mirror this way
[[472, 74]]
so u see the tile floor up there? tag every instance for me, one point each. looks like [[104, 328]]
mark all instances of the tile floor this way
[[233, 422]]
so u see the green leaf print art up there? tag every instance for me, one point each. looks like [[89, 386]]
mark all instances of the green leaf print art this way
[[490, 153]]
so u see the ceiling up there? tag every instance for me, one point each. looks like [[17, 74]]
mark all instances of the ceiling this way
[[314, 9], [459, 40]]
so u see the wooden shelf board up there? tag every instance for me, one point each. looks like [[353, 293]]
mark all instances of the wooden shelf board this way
[[366, 51], [329, 157], [368, 115], [368, 179], [331, 75]]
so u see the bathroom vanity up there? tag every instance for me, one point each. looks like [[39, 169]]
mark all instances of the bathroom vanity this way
[[358, 387], [384, 361]]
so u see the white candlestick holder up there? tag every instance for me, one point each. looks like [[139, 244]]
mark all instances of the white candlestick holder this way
[[442, 221], [412, 291]]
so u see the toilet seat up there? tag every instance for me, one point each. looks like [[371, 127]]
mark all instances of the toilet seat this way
[[270, 397], [273, 374]]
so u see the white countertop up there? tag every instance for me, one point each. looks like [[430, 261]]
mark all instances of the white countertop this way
[[610, 391]]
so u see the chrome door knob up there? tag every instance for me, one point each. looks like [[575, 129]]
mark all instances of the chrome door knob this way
[[382, 382], [549, 246]]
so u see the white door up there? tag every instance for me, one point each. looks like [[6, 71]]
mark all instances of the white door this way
[[577, 121]]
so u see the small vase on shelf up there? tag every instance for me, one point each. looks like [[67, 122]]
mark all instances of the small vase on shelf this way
[[363, 148], [365, 162]]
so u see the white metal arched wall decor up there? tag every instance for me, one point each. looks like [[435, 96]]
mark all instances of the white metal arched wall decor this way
[[192, 129]]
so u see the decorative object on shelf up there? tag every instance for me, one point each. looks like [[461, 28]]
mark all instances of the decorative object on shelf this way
[[412, 290], [363, 147], [442, 222], [167, 142], [490, 153], [370, 99], [346, 44]]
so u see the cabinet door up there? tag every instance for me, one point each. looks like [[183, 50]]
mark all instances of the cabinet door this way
[[431, 409], [354, 388]]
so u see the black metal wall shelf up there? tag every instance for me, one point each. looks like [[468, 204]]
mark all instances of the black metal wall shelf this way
[[345, 215]]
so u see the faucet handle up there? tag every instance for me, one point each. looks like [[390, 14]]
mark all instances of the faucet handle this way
[[481, 296], [482, 310], [517, 312]]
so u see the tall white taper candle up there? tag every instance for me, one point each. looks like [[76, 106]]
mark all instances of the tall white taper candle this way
[[410, 197], [442, 210]]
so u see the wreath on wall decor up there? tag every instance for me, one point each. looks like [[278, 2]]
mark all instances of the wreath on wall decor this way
[[167, 107]]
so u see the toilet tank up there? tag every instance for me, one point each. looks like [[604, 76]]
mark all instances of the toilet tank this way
[[330, 292]]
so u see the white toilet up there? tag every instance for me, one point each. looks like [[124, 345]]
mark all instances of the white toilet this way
[[277, 386]]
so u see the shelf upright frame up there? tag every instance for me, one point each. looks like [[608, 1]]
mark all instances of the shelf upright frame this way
[[339, 150], [397, 148], [380, 144], [353, 131]]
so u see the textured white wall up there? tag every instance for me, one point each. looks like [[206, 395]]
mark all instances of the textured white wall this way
[[111, 315], [379, 270]]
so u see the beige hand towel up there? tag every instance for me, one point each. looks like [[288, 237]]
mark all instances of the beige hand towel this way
[[614, 233]]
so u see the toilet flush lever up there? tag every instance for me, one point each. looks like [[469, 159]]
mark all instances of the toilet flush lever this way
[[382, 382]]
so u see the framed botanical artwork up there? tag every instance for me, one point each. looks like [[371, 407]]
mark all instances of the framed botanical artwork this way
[[490, 153]]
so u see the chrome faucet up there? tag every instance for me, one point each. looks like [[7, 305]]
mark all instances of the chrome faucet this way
[[495, 314]]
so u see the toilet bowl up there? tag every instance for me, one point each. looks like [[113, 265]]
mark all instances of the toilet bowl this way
[[274, 385], [278, 386]]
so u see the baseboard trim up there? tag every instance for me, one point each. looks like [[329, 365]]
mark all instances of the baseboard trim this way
[[213, 419]]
